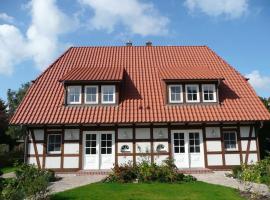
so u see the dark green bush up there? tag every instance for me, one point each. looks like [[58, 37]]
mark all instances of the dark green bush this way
[[236, 171], [146, 172]]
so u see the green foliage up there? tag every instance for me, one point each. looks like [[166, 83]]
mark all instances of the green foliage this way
[[266, 102], [3, 123], [258, 173], [146, 172], [30, 183], [236, 171]]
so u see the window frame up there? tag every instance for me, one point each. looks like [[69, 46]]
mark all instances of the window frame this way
[[181, 93], [214, 92], [198, 93], [236, 145], [48, 144], [68, 97], [114, 94], [85, 94]]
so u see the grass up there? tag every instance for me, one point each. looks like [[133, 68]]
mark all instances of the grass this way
[[156, 191], [8, 169]]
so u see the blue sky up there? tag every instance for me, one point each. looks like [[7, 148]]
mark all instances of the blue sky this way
[[33, 33]]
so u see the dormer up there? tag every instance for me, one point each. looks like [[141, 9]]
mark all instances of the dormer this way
[[191, 86], [92, 86]]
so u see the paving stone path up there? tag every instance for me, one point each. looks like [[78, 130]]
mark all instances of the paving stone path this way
[[219, 178]]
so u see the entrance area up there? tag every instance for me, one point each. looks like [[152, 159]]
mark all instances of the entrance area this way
[[98, 149], [187, 148]]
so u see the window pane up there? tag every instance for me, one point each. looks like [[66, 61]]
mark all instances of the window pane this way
[[191, 149], [176, 136], [176, 149], [87, 143], [87, 150], [182, 149], [109, 150], [103, 150], [103, 136], [109, 143], [93, 151], [88, 136], [103, 143], [176, 142], [197, 149], [109, 136], [94, 136]]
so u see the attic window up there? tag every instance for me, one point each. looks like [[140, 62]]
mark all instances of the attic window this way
[[209, 92], [175, 94], [91, 94], [108, 94], [192, 93], [74, 94]]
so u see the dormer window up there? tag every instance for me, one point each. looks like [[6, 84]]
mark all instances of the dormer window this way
[[175, 94], [209, 92], [91, 94], [108, 94], [74, 94], [192, 93]]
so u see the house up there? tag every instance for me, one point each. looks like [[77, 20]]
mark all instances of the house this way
[[96, 107]]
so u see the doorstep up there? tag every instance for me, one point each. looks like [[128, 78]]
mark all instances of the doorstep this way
[[195, 171], [93, 172]]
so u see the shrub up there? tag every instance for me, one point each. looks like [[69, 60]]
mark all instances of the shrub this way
[[30, 183], [146, 172], [236, 171]]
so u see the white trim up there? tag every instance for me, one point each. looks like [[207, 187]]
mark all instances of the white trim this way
[[114, 90], [214, 92], [54, 152], [236, 144], [181, 94], [80, 97], [198, 93], [85, 94]]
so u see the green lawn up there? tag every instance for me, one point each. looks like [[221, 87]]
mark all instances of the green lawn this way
[[8, 169], [155, 191]]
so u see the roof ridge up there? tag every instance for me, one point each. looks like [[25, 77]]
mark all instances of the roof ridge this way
[[138, 46]]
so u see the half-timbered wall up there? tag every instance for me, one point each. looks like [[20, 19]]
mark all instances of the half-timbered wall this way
[[142, 142]]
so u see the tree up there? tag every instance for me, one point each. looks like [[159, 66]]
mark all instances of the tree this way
[[14, 98], [3, 121], [266, 102]]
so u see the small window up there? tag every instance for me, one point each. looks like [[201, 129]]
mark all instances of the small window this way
[[54, 143], [209, 92], [91, 94], [175, 94], [74, 94], [230, 140], [108, 94], [192, 93]]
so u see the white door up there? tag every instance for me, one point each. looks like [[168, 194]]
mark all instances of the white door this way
[[98, 149], [187, 148], [180, 149]]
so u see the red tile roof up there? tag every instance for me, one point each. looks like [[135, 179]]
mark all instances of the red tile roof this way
[[94, 74], [179, 73], [142, 99]]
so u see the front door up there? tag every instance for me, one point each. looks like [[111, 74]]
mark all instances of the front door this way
[[98, 149], [187, 148]]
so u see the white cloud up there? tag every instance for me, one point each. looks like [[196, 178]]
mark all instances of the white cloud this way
[[40, 42], [260, 82], [5, 17], [229, 8], [137, 17]]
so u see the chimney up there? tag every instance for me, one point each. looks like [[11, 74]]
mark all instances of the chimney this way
[[129, 43], [148, 43]]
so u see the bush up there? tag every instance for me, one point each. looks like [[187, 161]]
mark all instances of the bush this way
[[146, 172], [236, 171], [30, 183]]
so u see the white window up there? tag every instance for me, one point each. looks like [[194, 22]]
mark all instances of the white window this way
[[230, 140], [108, 94], [209, 92], [74, 94], [175, 94], [192, 93], [91, 94], [54, 143]]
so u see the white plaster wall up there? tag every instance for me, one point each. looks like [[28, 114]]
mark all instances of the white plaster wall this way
[[214, 159], [31, 149], [213, 146], [159, 159], [155, 144], [120, 144], [139, 159], [125, 133], [145, 147], [72, 134], [142, 133], [39, 134], [125, 160], [253, 158], [53, 162], [71, 148], [252, 145], [32, 160], [244, 131], [212, 132], [232, 159], [160, 133], [71, 162]]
